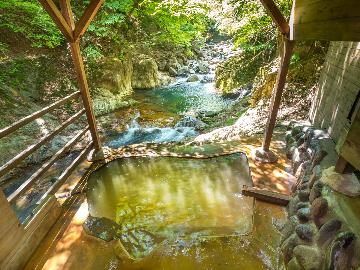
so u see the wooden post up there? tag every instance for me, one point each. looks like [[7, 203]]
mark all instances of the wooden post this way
[[80, 70], [264, 154], [85, 94], [277, 92]]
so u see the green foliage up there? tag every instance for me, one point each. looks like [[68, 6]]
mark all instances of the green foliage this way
[[258, 35], [28, 18], [178, 22]]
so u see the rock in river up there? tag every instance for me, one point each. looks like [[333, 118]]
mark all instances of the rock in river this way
[[192, 78]]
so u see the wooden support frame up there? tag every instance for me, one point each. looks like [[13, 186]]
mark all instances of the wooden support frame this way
[[31, 149], [84, 22], [276, 15], [277, 92], [59, 20], [22, 122], [27, 184], [86, 18]]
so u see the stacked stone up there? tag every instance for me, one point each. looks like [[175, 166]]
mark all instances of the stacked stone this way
[[313, 238]]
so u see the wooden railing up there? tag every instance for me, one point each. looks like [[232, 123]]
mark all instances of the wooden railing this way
[[11, 164]]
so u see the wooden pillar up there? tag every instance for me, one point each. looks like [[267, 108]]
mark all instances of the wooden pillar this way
[[72, 32], [80, 71], [85, 94], [277, 92]]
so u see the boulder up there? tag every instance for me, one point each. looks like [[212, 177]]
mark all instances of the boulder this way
[[193, 78], [202, 67], [309, 257], [183, 71], [207, 79], [190, 121], [318, 211], [328, 231], [303, 214], [304, 195], [114, 75], [288, 246], [173, 72], [145, 73], [102, 228], [305, 232], [346, 184], [294, 264]]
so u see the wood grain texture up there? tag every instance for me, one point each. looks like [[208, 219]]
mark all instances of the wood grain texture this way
[[350, 151], [277, 92], [57, 17], [26, 242], [335, 20], [24, 121], [11, 164], [266, 195]]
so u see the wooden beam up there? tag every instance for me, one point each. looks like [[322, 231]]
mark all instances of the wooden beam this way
[[28, 183], [22, 122], [277, 92], [66, 11], [62, 178], [87, 17], [266, 195], [11, 164], [81, 75], [59, 20], [333, 20], [350, 150], [276, 16]]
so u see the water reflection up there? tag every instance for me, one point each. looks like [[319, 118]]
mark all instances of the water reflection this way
[[169, 198]]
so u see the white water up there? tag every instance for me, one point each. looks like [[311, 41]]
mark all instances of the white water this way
[[137, 134]]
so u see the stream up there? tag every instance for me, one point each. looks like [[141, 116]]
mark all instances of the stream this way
[[173, 113]]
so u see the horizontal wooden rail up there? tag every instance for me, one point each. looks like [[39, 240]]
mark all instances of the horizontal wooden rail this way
[[10, 129], [31, 149], [69, 170], [27, 184]]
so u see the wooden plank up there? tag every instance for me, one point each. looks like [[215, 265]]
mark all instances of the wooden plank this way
[[350, 151], [266, 195], [59, 20], [31, 149], [277, 92], [35, 230], [327, 30], [28, 183], [276, 16], [22, 122], [325, 20], [10, 230], [62, 178], [87, 17]]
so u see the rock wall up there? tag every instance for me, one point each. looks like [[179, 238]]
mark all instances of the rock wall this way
[[339, 85], [319, 233]]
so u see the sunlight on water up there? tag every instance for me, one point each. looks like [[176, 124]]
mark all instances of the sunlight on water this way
[[170, 198]]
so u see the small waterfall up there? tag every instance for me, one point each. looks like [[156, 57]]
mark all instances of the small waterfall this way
[[135, 134]]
